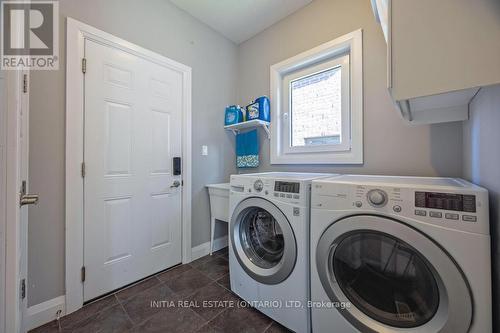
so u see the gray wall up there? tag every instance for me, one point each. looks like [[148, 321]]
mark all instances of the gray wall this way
[[390, 147], [482, 166], [219, 67], [158, 26]]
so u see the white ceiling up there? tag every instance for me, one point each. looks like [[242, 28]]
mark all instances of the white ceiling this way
[[240, 20]]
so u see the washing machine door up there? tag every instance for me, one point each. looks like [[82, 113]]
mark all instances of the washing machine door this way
[[263, 241], [392, 277]]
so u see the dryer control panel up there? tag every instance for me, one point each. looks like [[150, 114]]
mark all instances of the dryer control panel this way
[[446, 201], [466, 209]]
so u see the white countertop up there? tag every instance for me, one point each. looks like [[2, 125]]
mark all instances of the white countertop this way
[[221, 186]]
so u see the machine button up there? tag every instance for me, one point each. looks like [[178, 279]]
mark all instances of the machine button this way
[[377, 198], [396, 208], [451, 216], [289, 196], [436, 214], [266, 192], [420, 212], [469, 218], [282, 195], [358, 204], [258, 185], [296, 196]]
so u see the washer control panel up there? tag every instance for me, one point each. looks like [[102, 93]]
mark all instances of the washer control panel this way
[[290, 191]]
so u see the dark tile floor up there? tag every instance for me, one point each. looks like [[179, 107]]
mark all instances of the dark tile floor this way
[[180, 294]]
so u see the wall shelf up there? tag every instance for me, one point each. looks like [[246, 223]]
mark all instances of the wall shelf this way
[[256, 123]]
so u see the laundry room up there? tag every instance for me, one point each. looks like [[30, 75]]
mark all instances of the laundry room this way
[[324, 166]]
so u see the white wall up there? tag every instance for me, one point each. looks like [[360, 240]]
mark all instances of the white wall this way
[[482, 166], [390, 147], [159, 26]]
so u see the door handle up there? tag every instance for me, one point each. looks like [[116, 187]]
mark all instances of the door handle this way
[[29, 199], [26, 198], [175, 184]]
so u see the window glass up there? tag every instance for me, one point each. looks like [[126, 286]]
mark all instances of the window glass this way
[[316, 109]]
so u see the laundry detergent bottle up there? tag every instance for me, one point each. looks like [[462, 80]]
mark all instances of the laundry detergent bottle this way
[[234, 115], [259, 109]]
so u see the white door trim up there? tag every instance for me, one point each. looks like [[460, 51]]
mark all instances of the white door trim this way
[[13, 221], [3, 174], [77, 32], [15, 156]]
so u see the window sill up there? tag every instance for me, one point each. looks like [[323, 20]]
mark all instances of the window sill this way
[[347, 157]]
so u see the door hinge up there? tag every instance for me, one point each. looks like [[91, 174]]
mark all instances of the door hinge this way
[[83, 273], [83, 169], [23, 289], [25, 83], [84, 65]]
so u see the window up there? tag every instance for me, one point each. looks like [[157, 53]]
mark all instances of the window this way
[[317, 105]]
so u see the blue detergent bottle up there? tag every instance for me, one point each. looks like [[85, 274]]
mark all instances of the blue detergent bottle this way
[[234, 115], [259, 109]]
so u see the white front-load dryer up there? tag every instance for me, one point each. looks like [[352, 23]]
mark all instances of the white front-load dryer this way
[[400, 254], [269, 244]]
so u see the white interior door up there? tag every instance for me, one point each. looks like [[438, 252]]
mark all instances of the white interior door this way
[[132, 206], [14, 161], [25, 193]]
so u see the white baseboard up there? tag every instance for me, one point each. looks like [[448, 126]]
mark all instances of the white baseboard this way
[[204, 249], [45, 312]]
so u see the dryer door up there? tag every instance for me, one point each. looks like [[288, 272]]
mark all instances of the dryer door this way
[[263, 240], [394, 277]]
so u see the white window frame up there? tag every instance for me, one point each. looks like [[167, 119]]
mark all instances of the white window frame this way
[[345, 51]]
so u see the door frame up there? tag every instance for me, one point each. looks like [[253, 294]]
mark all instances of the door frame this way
[[13, 221], [77, 32], [15, 167], [3, 215]]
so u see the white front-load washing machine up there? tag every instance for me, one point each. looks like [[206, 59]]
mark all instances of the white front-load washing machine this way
[[269, 244], [400, 254]]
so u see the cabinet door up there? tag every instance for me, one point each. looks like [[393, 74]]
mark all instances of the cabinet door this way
[[442, 46], [381, 12]]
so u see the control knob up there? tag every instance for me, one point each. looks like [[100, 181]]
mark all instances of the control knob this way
[[377, 198], [258, 185]]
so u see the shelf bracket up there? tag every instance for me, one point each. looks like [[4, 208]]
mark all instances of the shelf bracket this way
[[266, 128]]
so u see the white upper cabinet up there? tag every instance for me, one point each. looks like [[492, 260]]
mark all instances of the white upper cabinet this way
[[439, 54]]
